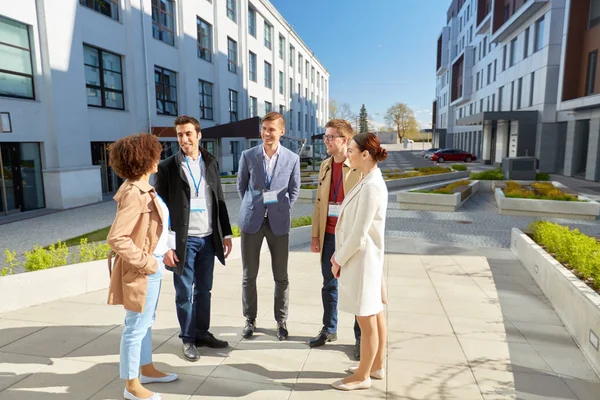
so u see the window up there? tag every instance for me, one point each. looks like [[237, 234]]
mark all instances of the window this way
[[281, 47], [252, 67], [484, 46], [291, 87], [504, 58], [204, 39], [306, 69], [512, 95], [291, 119], [493, 102], [489, 73], [231, 55], [500, 92], [268, 35], [591, 73], [292, 55], [526, 44], [16, 72], [495, 65], [519, 93], [312, 75], [299, 91], [233, 105], [103, 78], [205, 90], [268, 107], [539, 35], [306, 128], [477, 81], [163, 21], [594, 13], [110, 8], [280, 82], [318, 80], [252, 21], [253, 107], [513, 52], [531, 88], [299, 120], [268, 76], [282, 110], [165, 82], [300, 64], [231, 14]]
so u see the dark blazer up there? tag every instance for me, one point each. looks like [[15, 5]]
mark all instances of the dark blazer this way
[[171, 184]]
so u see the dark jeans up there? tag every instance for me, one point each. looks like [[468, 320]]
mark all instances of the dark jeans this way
[[192, 288], [329, 292]]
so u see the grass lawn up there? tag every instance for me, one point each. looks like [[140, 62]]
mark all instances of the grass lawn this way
[[95, 236]]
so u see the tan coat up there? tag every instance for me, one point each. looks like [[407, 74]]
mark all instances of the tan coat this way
[[133, 238], [351, 178]]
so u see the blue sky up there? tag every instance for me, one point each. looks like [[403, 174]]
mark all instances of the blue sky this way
[[378, 52]]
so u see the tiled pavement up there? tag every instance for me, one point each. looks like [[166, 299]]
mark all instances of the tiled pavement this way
[[464, 323]]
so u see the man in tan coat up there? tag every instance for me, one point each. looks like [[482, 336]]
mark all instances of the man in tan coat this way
[[336, 179]]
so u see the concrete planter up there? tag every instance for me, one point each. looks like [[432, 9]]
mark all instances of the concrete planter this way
[[307, 195], [38, 287], [410, 200], [230, 191], [587, 210], [577, 305], [420, 180]]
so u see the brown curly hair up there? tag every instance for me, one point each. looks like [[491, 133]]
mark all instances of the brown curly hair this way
[[135, 155]]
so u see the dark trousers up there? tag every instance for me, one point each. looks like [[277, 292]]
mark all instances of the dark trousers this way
[[279, 248], [329, 292], [192, 288]]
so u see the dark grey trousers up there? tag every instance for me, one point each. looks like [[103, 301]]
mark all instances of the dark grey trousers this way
[[279, 248]]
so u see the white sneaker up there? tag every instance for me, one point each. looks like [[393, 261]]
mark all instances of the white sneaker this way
[[164, 379], [340, 385], [380, 374], [129, 396]]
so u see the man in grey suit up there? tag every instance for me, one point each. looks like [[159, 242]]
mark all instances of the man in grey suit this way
[[268, 183]]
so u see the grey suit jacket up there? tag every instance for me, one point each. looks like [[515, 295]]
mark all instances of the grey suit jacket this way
[[251, 183]]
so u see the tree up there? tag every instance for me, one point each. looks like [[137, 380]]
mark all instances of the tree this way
[[403, 119], [333, 109], [363, 120], [340, 111]]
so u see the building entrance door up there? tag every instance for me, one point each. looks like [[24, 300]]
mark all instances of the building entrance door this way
[[11, 185]]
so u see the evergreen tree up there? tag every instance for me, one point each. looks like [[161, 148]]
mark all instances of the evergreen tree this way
[[363, 122]]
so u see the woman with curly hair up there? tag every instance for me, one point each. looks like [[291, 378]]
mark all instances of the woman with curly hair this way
[[139, 239]]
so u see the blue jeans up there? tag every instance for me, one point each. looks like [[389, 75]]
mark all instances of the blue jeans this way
[[136, 340], [329, 292], [192, 288]]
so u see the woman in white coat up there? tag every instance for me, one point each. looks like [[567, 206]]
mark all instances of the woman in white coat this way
[[358, 259]]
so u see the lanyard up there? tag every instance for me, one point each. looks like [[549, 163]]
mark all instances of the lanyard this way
[[337, 187], [269, 179], [196, 187]]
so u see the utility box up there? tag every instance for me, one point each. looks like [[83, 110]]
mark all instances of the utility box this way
[[519, 168]]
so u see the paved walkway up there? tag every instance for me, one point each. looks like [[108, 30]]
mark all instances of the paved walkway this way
[[464, 323]]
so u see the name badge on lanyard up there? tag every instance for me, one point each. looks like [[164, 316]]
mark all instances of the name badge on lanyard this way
[[269, 196], [335, 208], [197, 204]]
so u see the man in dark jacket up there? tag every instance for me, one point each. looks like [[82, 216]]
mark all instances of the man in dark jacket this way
[[189, 183]]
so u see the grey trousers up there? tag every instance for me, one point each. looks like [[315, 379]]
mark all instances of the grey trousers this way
[[279, 248]]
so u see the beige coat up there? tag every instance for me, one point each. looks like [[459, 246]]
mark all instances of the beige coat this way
[[351, 177], [133, 237]]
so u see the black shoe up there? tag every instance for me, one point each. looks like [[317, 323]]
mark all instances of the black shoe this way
[[209, 340], [322, 338], [249, 328], [357, 350], [282, 332], [190, 352]]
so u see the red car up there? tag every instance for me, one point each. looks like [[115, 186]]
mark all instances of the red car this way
[[452, 155]]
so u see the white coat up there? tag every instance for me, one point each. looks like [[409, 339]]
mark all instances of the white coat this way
[[359, 246]]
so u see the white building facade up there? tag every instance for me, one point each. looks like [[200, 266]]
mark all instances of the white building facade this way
[[80, 74], [500, 81]]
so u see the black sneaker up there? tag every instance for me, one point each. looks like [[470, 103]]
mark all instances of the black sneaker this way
[[209, 340], [282, 332], [248, 330], [322, 338]]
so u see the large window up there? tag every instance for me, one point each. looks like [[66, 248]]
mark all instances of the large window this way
[[539, 35], [300, 62], [252, 21], [103, 78], [306, 69], [526, 44], [205, 90], [231, 12], [165, 82], [281, 47], [252, 67], [268, 75], [253, 106], [231, 55], [110, 8], [281, 82], [233, 105], [268, 35], [513, 52], [591, 73], [292, 55], [16, 73], [204, 39], [594, 13], [163, 21]]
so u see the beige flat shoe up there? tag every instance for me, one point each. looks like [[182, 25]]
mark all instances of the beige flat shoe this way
[[379, 374], [340, 385]]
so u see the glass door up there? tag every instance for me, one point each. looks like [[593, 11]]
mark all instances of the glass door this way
[[11, 184]]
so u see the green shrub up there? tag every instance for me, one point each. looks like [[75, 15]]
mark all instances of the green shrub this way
[[39, 258], [236, 231], [573, 249], [308, 187], [92, 252], [10, 258], [459, 167], [301, 221], [538, 191], [491, 175], [303, 165], [542, 176]]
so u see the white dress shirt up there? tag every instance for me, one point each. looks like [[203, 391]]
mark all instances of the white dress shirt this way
[[200, 224]]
